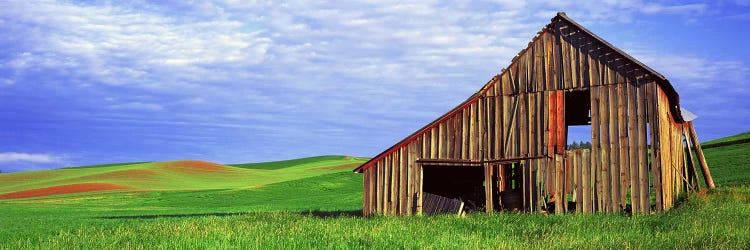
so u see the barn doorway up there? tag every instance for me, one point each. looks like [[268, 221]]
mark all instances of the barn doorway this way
[[464, 183], [511, 186]]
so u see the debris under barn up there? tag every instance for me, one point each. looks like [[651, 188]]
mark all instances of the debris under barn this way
[[505, 147]]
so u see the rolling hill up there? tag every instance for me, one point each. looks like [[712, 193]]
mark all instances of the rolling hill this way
[[188, 175]]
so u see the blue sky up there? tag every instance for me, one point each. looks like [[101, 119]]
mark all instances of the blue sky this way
[[88, 82]]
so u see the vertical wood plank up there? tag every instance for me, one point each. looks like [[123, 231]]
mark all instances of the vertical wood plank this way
[[412, 157], [548, 60], [561, 128], [588, 201], [524, 184], [559, 199], [389, 186], [624, 163], [605, 149], [395, 174], [500, 132], [442, 140], [523, 118], [489, 127], [532, 124], [567, 178], [488, 195], [655, 150], [633, 148], [472, 131], [481, 129], [577, 162], [552, 147], [595, 147], [403, 181], [465, 134], [643, 166], [420, 192], [614, 157], [365, 193]]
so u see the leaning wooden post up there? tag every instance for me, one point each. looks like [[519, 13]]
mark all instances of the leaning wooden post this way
[[701, 158], [692, 171]]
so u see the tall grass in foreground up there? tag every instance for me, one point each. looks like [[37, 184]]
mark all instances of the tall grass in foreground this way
[[717, 220]]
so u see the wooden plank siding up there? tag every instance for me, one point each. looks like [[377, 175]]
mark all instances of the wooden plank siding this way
[[521, 114]]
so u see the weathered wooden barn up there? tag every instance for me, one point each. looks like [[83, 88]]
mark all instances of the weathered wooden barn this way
[[505, 146]]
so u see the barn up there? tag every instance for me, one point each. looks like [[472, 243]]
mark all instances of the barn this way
[[504, 148]]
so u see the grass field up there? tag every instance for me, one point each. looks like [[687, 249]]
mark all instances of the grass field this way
[[737, 137], [320, 210]]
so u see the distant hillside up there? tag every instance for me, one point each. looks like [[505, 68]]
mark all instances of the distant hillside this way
[[729, 159], [110, 164], [729, 140], [273, 165], [167, 176]]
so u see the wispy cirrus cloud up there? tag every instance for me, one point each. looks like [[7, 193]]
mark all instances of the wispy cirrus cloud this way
[[6, 157]]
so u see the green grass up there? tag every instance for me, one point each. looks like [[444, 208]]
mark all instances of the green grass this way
[[110, 164], [274, 165], [320, 212], [729, 165], [737, 137]]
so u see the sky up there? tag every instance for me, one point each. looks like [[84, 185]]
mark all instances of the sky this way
[[92, 82]]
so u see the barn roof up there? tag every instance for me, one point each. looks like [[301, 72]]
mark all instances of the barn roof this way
[[561, 16]]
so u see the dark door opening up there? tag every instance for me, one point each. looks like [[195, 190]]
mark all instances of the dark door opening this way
[[511, 187], [456, 182]]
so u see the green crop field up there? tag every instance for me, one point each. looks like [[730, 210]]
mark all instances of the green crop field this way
[[315, 203]]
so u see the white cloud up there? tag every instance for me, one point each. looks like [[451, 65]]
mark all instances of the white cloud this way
[[26, 157], [687, 9], [695, 72], [137, 106], [121, 46]]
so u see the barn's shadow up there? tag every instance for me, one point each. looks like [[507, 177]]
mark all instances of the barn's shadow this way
[[332, 214], [157, 216], [310, 213]]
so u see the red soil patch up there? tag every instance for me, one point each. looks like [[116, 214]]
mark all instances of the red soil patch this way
[[63, 189], [194, 167], [22, 177], [124, 174]]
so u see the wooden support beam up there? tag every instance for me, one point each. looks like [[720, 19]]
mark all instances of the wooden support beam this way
[[488, 195], [692, 171], [701, 157], [559, 199]]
